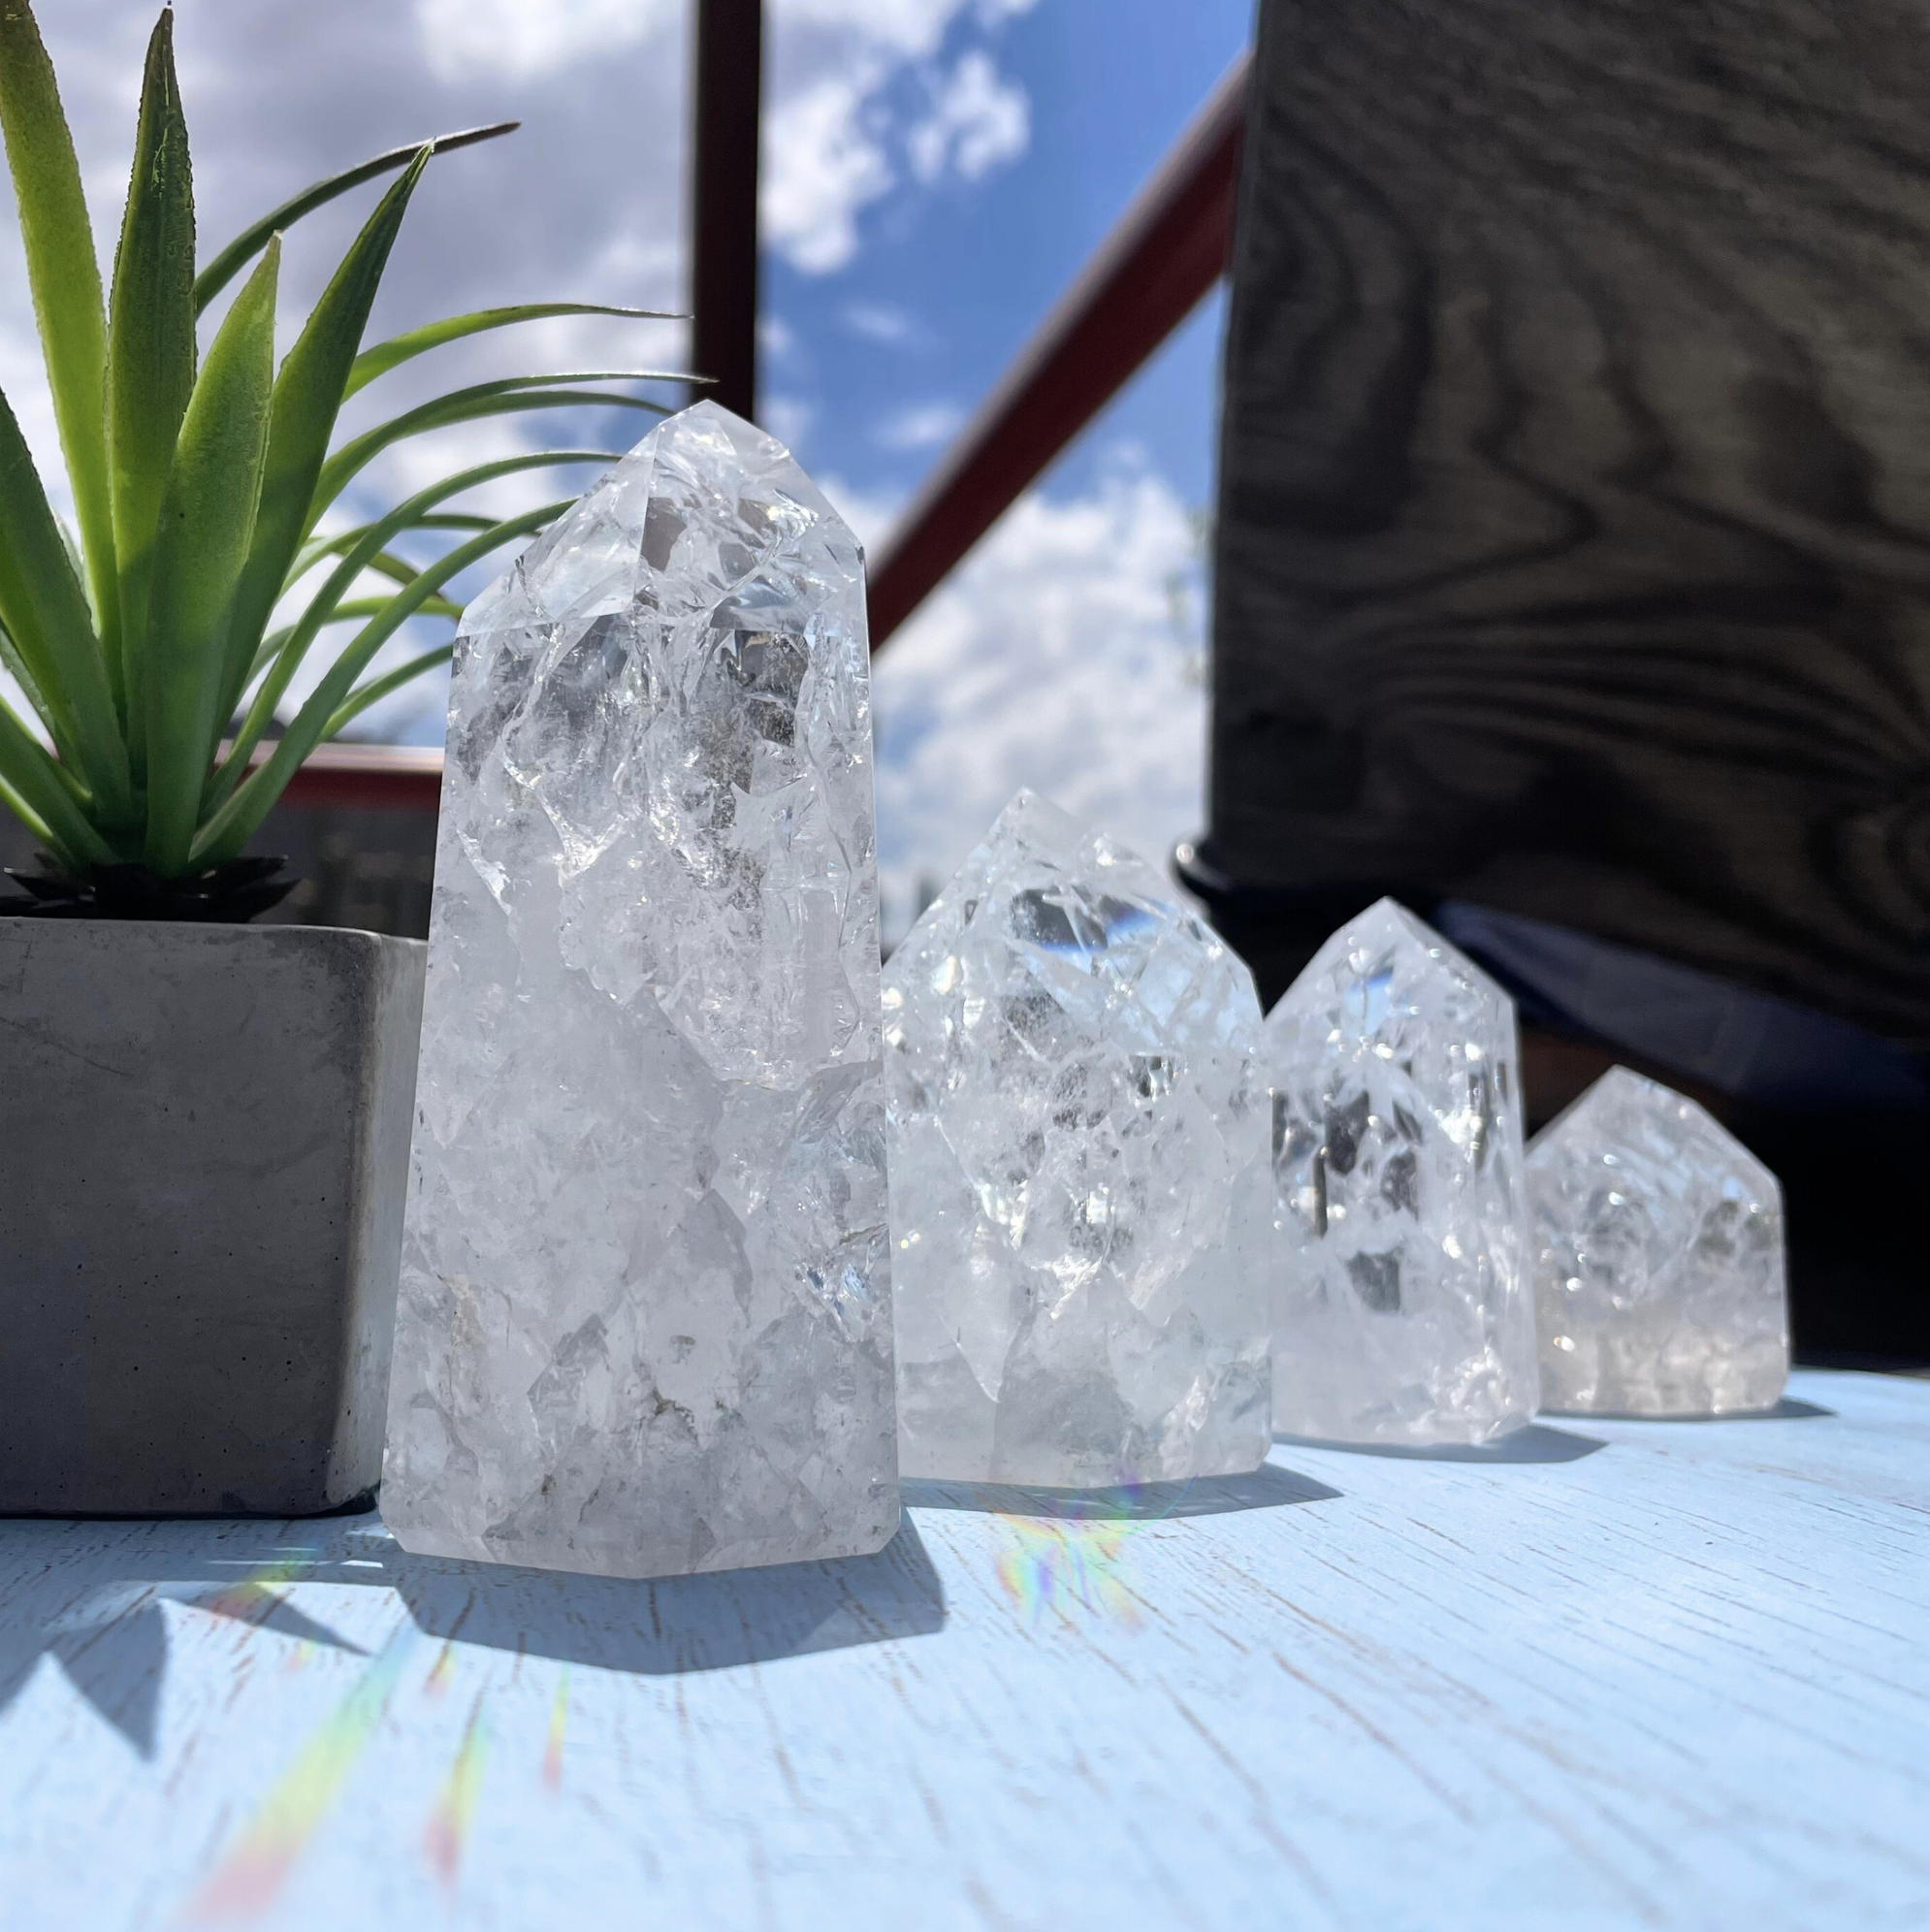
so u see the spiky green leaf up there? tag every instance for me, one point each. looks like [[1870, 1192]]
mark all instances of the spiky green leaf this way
[[307, 393], [65, 278], [150, 347], [385, 356], [45, 612], [31, 776], [229, 828], [364, 695], [359, 559], [251, 240], [506, 396], [207, 517]]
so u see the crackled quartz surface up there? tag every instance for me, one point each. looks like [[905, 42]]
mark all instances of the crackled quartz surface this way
[[644, 1324], [1405, 1314], [1659, 1261], [1080, 1206]]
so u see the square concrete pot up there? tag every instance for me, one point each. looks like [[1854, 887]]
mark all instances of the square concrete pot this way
[[204, 1151]]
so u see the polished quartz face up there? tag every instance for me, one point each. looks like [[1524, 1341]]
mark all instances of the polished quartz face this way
[[644, 1324], [1658, 1262], [1080, 1209], [1404, 1312]]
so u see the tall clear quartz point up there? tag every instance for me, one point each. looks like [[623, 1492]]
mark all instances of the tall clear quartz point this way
[[645, 1324], [1405, 1315], [1659, 1269], [1078, 1190]]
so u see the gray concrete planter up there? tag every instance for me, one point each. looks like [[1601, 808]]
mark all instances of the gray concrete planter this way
[[203, 1149]]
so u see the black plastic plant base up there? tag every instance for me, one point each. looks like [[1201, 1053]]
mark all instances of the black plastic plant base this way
[[227, 894]]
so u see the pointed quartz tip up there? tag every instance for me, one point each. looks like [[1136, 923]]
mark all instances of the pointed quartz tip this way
[[708, 426], [1658, 1258], [1385, 924]]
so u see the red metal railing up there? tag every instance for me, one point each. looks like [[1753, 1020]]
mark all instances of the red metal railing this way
[[1149, 273], [1170, 247]]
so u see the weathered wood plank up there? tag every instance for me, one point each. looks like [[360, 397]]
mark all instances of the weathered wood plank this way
[[1617, 1675], [1574, 547]]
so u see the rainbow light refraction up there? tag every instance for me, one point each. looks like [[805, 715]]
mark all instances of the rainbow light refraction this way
[[1068, 1569], [1073, 1564], [448, 1827], [257, 1863], [558, 1720]]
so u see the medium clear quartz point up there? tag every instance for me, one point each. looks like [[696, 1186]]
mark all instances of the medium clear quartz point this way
[[1659, 1266], [1079, 1199], [1405, 1314], [644, 1324]]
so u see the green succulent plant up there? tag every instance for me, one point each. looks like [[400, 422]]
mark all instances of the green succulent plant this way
[[147, 643]]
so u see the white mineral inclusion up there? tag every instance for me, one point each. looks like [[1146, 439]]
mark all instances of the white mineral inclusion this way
[[644, 1325], [1079, 1197], [1659, 1268], [1405, 1315]]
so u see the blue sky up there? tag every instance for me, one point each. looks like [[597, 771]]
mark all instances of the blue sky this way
[[872, 360], [935, 173]]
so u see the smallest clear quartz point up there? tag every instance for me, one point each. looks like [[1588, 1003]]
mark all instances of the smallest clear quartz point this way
[[1658, 1262]]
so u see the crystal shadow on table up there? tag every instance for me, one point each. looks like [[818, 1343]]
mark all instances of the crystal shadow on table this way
[[1788, 1409], [1534, 1442], [98, 1611], [1268, 1487]]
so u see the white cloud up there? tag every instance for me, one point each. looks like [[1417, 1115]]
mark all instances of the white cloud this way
[[821, 165], [978, 123], [922, 426], [525, 39], [833, 141], [1064, 654], [877, 322], [789, 418]]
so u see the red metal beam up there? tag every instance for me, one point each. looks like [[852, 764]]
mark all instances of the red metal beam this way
[[394, 778], [1170, 246]]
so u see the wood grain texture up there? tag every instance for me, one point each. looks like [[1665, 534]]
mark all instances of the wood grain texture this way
[[1615, 1675], [1574, 551]]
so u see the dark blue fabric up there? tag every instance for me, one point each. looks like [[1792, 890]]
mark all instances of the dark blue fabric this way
[[1744, 1042]]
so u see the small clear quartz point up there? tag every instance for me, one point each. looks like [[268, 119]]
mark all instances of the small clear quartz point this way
[[1405, 1314], [1659, 1263]]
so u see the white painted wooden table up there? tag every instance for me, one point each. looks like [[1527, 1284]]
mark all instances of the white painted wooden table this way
[[1617, 1675]]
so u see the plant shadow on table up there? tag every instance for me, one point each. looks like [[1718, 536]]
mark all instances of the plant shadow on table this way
[[1266, 1488], [1534, 1443], [92, 1601]]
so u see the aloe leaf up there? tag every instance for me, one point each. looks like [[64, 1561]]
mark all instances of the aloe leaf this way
[[307, 393], [355, 611], [65, 279], [506, 396], [15, 666], [229, 828], [364, 695], [251, 240], [150, 348], [319, 549], [45, 612], [375, 537], [34, 779], [385, 356], [207, 516]]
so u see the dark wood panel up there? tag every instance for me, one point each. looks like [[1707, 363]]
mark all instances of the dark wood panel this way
[[1574, 548]]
